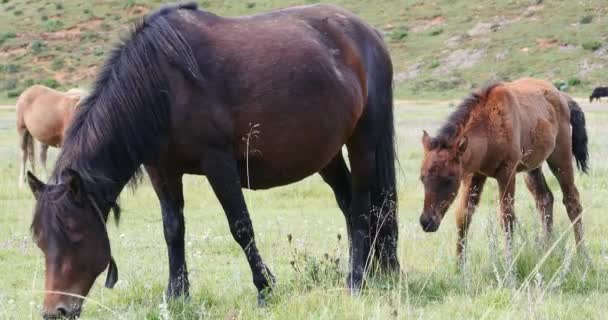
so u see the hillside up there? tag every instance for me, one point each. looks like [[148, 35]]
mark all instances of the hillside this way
[[440, 48]]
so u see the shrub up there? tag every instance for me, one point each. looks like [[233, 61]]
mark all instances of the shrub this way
[[105, 27], [434, 64], [5, 1], [89, 35], [44, 17], [8, 84], [592, 45], [250, 5], [436, 32], [399, 33], [574, 82], [17, 12], [57, 64], [9, 68], [13, 93], [6, 35], [51, 83], [587, 19], [37, 46], [86, 11], [58, 6], [52, 25]]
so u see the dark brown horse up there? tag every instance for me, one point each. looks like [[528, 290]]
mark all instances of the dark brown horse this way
[[497, 132], [182, 94], [598, 93]]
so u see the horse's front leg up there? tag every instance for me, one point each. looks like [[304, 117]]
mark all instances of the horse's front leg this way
[[506, 188], [168, 188], [221, 171]]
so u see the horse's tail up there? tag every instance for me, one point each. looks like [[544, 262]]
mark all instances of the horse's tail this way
[[384, 189], [27, 147], [579, 135]]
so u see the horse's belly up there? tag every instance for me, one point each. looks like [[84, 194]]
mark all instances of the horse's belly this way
[[277, 165]]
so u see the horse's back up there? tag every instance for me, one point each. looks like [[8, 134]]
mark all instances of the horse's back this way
[[541, 110]]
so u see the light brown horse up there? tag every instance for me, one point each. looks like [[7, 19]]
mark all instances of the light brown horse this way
[[501, 130], [43, 114]]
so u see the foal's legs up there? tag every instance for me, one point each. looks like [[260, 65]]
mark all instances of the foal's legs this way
[[506, 188], [221, 170], [43, 156], [561, 166], [535, 181], [468, 199], [337, 176], [168, 188]]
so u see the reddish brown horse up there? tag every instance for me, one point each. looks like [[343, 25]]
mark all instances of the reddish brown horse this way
[[497, 132], [181, 96]]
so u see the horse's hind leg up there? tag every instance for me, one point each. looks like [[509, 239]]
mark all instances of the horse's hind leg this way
[[470, 194], [24, 155], [362, 162], [560, 163], [168, 188], [337, 176], [221, 170], [44, 148], [536, 183]]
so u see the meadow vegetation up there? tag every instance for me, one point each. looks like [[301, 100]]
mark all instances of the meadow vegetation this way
[[301, 235]]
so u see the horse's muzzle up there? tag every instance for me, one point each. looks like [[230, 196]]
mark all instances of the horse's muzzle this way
[[429, 223]]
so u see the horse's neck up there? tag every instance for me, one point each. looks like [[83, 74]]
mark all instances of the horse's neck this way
[[473, 158]]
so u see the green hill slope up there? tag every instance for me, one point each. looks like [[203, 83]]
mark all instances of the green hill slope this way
[[440, 48]]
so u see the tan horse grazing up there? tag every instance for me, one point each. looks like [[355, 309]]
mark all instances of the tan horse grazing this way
[[43, 114], [501, 130]]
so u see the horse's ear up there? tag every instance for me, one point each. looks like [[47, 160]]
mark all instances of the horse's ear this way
[[426, 140], [462, 145], [35, 185], [74, 184]]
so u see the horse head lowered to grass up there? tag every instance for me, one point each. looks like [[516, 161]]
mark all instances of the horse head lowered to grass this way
[[501, 130], [179, 96]]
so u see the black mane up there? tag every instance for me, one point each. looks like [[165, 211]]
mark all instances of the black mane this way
[[120, 123], [459, 118]]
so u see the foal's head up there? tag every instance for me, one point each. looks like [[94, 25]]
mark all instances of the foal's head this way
[[69, 228], [441, 174]]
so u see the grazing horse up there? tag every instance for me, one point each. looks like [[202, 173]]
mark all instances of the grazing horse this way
[[501, 130], [43, 114], [182, 94], [598, 93]]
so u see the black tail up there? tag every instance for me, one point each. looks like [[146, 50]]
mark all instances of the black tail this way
[[27, 146], [384, 191], [579, 136]]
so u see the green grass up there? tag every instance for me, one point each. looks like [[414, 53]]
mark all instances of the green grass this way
[[310, 284], [577, 26]]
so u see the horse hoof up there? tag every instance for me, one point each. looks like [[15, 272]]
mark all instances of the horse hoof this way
[[353, 284]]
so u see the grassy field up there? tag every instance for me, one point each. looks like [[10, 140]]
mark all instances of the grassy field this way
[[440, 48], [552, 284]]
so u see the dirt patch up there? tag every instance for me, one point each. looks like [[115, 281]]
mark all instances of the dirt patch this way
[[459, 59], [531, 11], [544, 43], [138, 10], [426, 24], [9, 53], [412, 72]]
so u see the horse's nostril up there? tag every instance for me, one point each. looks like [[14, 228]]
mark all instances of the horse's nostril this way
[[62, 312]]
